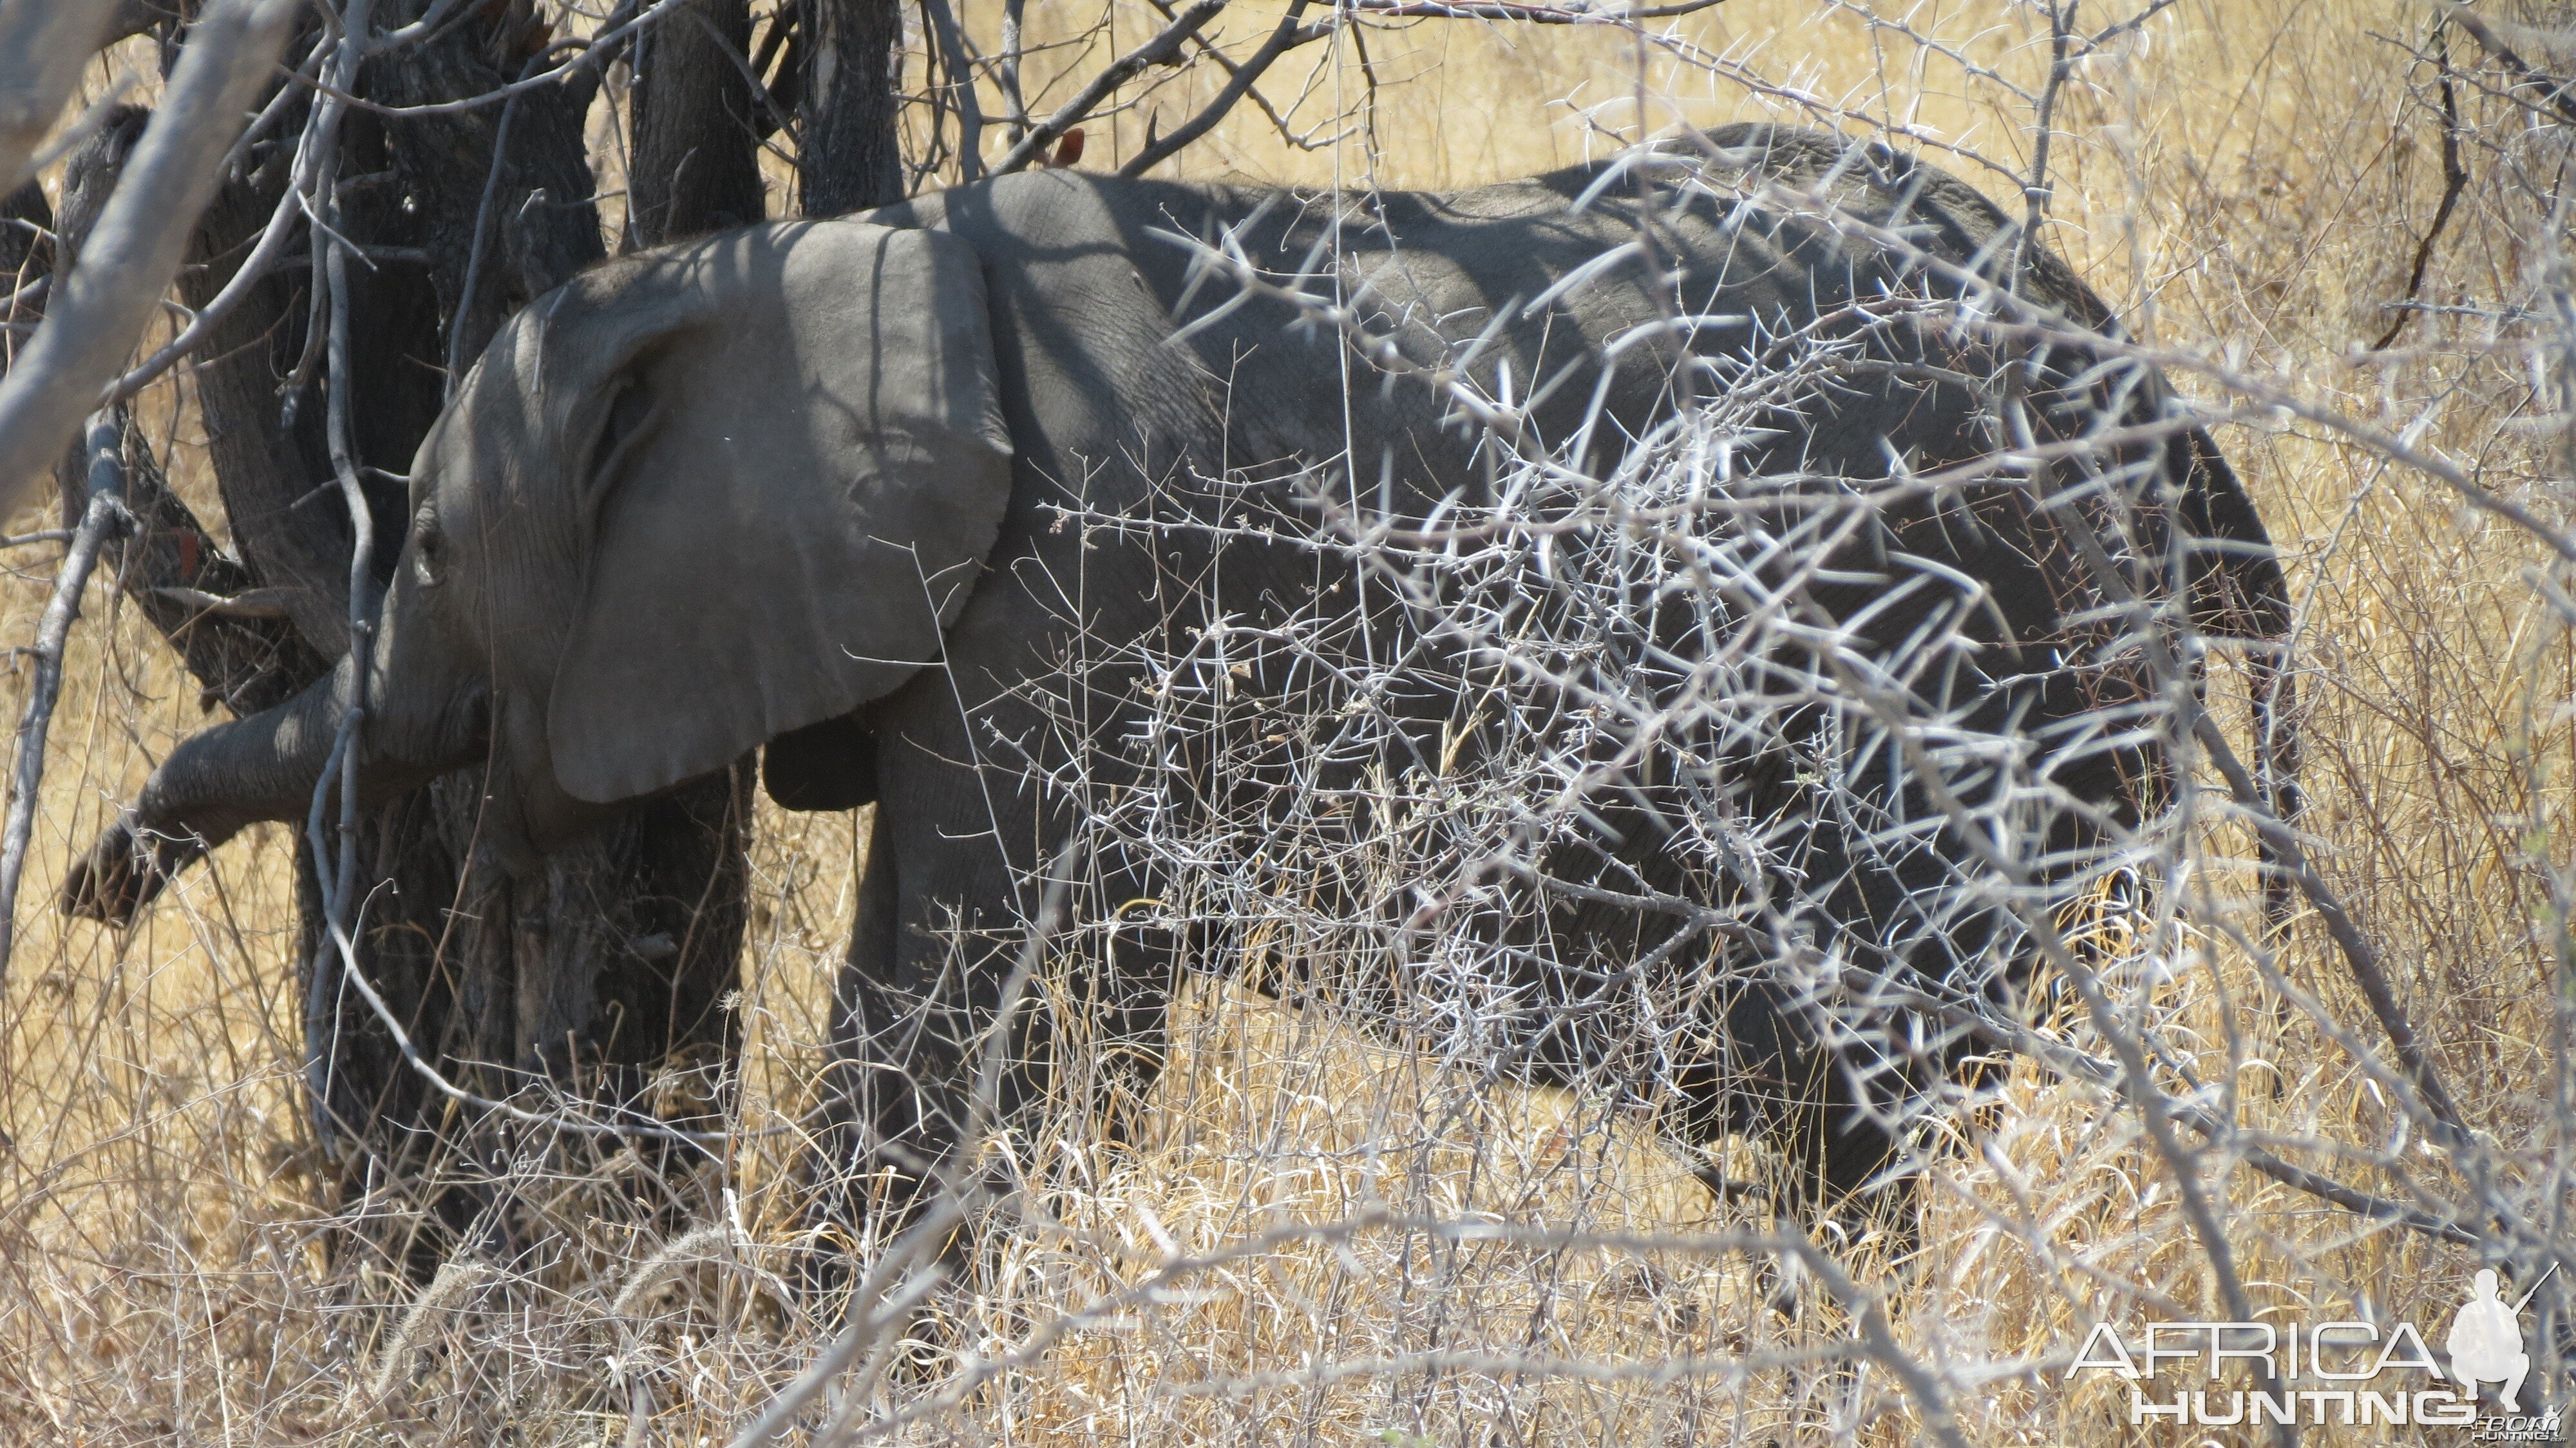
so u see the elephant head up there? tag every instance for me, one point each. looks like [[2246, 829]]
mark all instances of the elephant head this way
[[687, 502]]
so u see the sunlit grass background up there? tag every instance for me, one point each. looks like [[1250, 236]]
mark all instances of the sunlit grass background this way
[[2248, 179]]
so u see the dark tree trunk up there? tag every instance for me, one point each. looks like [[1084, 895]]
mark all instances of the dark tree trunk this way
[[590, 974], [541, 224], [25, 259], [695, 166], [849, 156], [593, 973], [171, 566], [259, 390]]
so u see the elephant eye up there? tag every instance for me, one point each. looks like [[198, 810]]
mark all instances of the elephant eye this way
[[429, 551]]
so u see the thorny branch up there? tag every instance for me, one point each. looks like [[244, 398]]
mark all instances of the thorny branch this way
[[1164, 45]]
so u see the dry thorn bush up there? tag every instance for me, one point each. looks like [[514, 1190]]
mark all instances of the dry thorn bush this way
[[1321, 1232]]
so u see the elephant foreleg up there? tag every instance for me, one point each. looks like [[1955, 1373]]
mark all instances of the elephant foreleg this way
[[937, 1055], [1124, 1027]]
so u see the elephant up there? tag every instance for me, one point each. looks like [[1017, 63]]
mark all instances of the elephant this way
[[805, 487]]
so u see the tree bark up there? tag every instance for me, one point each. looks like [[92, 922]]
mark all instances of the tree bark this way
[[25, 259], [172, 564], [593, 973], [258, 389], [588, 975], [541, 225], [695, 165], [850, 156]]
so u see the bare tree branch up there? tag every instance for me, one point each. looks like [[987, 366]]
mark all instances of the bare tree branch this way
[[1165, 44], [2553, 92], [103, 305], [1528, 14], [957, 62], [1285, 37], [43, 44], [104, 515]]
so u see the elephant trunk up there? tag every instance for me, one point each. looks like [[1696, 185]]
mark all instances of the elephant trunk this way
[[260, 768], [264, 767]]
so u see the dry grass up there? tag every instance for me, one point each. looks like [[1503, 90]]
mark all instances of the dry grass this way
[[2250, 181]]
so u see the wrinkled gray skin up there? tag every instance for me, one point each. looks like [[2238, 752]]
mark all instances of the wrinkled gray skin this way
[[740, 491]]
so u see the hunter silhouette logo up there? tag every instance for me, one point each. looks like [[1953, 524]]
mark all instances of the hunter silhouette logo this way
[[2486, 1343], [2347, 1372]]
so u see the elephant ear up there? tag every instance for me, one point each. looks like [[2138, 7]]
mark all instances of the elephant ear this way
[[795, 462]]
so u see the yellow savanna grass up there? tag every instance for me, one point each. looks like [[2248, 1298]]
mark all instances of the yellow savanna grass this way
[[2247, 179]]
